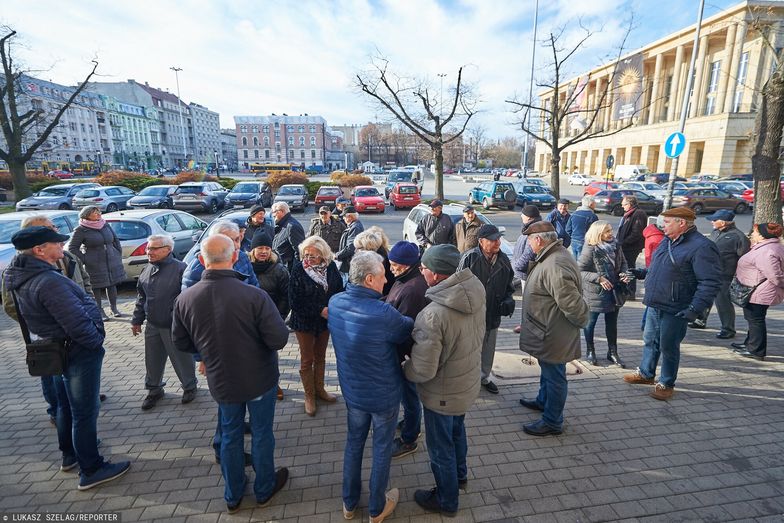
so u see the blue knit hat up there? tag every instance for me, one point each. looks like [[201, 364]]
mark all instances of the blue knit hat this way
[[404, 253]]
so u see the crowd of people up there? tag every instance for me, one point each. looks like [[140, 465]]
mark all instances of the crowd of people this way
[[413, 325]]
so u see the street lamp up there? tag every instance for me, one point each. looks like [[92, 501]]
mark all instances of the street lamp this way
[[441, 99], [217, 169], [179, 108]]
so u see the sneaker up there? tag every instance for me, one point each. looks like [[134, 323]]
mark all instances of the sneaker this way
[[661, 393], [637, 378], [347, 514], [392, 496], [151, 399], [69, 463], [248, 459], [400, 449], [490, 387], [188, 396], [428, 500], [281, 477], [108, 472], [697, 324]]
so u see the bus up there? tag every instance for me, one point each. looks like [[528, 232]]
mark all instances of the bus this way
[[270, 167], [47, 166]]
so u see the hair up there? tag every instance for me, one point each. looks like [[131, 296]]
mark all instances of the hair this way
[[280, 206], [631, 199], [547, 237], [352, 214], [222, 226], [587, 200], [382, 235], [87, 211], [364, 263], [273, 258], [318, 243], [769, 230], [593, 236], [367, 241], [165, 239], [218, 248], [35, 220]]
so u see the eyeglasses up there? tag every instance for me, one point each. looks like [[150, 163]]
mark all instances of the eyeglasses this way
[[152, 248], [311, 256]]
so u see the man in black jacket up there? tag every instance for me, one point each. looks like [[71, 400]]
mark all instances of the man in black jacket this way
[[494, 270], [157, 288], [346, 247], [256, 222], [630, 229], [239, 350], [327, 227], [436, 228], [288, 234]]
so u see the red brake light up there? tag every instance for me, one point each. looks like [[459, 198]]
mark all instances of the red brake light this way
[[141, 250]]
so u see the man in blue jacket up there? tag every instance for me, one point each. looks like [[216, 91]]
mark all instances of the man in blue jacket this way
[[682, 281], [579, 222], [365, 334], [193, 271], [559, 217]]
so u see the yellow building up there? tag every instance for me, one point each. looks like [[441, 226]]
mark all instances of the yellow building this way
[[733, 62]]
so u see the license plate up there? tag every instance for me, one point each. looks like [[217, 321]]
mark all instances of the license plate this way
[[408, 198], [238, 206]]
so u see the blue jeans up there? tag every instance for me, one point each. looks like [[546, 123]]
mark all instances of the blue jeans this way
[[553, 388], [577, 248], [662, 336], [447, 447], [77, 408], [232, 451], [50, 395], [412, 413], [383, 436]]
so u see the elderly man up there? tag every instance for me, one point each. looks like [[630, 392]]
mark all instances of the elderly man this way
[[256, 221], [732, 244], [340, 206], [288, 234], [579, 222], [346, 247], [444, 360], [467, 230], [327, 227], [407, 295], [494, 270], [239, 350], [554, 313], [55, 308], [436, 228], [682, 281], [365, 332], [243, 266], [523, 255], [630, 237], [157, 288], [559, 217]]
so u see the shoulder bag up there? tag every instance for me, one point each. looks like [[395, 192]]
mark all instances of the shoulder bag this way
[[741, 294], [45, 357]]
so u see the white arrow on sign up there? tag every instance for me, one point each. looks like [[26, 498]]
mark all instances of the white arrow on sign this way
[[676, 141]]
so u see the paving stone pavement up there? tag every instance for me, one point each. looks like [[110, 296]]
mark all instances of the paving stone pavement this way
[[713, 453]]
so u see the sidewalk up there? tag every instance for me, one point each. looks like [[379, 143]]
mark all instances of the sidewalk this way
[[713, 453]]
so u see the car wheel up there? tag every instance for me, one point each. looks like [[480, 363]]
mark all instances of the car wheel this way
[[740, 208], [213, 208], [617, 211], [111, 207], [697, 208], [485, 204], [470, 199], [64, 207]]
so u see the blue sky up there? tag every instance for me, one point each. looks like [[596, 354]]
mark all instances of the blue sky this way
[[244, 57]]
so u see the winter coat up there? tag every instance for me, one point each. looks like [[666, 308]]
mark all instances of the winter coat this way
[[102, 255], [446, 357], [467, 234], [578, 224], [288, 235], [594, 263], [497, 281], [250, 231], [764, 260], [236, 330], [274, 278], [554, 310], [307, 298], [630, 238], [365, 332], [434, 230], [685, 273], [732, 244], [523, 254], [407, 295], [653, 237], [193, 272], [53, 306], [346, 247], [560, 221], [157, 288], [329, 232]]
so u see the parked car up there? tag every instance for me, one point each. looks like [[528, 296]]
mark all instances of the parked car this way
[[153, 197], [696, 178], [53, 197], [109, 199], [398, 176], [60, 175], [65, 221], [661, 178], [404, 195], [610, 202], [623, 173], [734, 187], [327, 194], [133, 227], [248, 194], [708, 199], [748, 195], [655, 190], [454, 211], [579, 179], [594, 187], [229, 214], [746, 177], [534, 195], [494, 194], [200, 196], [296, 195], [537, 181], [366, 198]]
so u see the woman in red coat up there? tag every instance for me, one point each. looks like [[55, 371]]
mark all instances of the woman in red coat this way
[[653, 235]]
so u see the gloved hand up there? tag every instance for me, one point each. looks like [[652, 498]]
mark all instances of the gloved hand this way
[[688, 314], [639, 273]]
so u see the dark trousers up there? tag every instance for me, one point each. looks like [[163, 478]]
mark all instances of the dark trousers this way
[[757, 336], [447, 447], [610, 328], [631, 256], [724, 307]]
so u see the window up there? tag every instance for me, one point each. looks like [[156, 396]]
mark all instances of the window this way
[[168, 223], [313, 153], [277, 125], [256, 153], [244, 141], [255, 128], [243, 128], [312, 128], [312, 141], [743, 68], [302, 141], [301, 129], [245, 153], [713, 87], [277, 147], [289, 128], [266, 154], [302, 154], [189, 222], [277, 133], [291, 153], [291, 140], [255, 141], [265, 128]]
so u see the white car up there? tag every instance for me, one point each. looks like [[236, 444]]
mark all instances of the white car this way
[[65, 221], [654, 189], [579, 179]]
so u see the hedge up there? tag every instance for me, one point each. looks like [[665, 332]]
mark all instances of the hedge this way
[[279, 178], [349, 180]]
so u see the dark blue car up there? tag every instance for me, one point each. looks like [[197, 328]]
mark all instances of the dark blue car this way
[[528, 194]]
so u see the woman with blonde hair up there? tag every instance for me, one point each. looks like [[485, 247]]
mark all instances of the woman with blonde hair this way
[[374, 239], [604, 272]]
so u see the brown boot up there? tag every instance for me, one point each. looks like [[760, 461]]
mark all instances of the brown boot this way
[[309, 385], [321, 393], [280, 393]]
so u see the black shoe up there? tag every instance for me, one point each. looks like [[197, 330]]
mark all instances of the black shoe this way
[[614, 358], [188, 396], [747, 354], [531, 404], [725, 335], [462, 484], [738, 346], [490, 387], [281, 477], [428, 500], [697, 324], [540, 428], [151, 399], [590, 356], [102, 397], [233, 509], [248, 459], [401, 449]]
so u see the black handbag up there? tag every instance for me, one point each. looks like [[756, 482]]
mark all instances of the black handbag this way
[[741, 294], [45, 357]]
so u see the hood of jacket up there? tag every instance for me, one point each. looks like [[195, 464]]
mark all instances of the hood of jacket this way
[[460, 292], [24, 267]]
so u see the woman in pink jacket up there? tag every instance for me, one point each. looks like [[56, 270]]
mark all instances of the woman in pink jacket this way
[[763, 263]]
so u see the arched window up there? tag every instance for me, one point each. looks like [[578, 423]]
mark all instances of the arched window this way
[[266, 141], [255, 141], [312, 141], [302, 141], [291, 140], [244, 141]]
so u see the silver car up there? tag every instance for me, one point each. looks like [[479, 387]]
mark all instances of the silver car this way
[[200, 196], [108, 199], [65, 221], [154, 196], [58, 196], [296, 195]]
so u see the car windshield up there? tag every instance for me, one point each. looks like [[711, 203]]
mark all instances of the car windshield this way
[[652, 187], [399, 176], [367, 192], [290, 191], [154, 191], [330, 190], [7, 229], [89, 193], [246, 187], [54, 191], [534, 189], [407, 189], [679, 192]]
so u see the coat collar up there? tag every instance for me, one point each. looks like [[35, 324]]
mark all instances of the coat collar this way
[[221, 274], [362, 292]]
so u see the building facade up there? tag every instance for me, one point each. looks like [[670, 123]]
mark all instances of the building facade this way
[[135, 137], [229, 148], [733, 63], [205, 134]]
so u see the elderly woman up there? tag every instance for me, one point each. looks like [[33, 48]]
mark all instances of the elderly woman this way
[[97, 246], [374, 240], [763, 268], [604, 270], [313, 281], [272, 274]]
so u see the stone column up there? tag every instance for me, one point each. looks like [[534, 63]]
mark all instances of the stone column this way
[[653, 110], [697, 87], [676, 77], [729, 48], [734, 67], [608, 102]]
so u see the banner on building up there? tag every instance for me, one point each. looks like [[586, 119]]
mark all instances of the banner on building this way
[[627, 87], [578, 120]]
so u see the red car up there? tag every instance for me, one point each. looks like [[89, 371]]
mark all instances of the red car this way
[[404, 195], [594, 187], [327, 195], [748, 194], [60, 175], [366, 198]]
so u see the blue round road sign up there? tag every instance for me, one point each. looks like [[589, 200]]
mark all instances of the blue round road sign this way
[[610, 161], [674, 145]]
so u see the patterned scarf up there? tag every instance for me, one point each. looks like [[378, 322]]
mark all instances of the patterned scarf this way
[[609, 248], [318, 273]]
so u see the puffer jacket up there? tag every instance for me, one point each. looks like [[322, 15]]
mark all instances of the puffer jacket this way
[[330, 232], [274, 278], [554, 310], [157, 288], [467, 234], [365, 332], [447, 352], [102, 255], [307, 298], [251, 230], [434, 230], [497, 281], [595, 263], [288, 235], [194, 270], [764, 260], [732, 244], [653, 237]]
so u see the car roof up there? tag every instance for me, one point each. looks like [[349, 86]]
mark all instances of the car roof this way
[[140, 213], [186, 184], [159, 186], [69, 185], [26, 214], [292, 185], [364, 187]]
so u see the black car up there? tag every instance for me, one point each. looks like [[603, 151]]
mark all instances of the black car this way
[[248, 194], [661, 178], [610, 202]]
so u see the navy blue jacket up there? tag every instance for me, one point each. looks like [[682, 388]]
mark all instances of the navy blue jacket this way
[[193, 271], [560, 222], [579, 222]]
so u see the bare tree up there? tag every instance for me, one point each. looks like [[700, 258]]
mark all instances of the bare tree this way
[[19, 129], [417, 105], [478, 139]]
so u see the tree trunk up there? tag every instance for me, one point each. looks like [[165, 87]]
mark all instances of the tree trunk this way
[[438, 153], [767, 149], [19, 179], [555, 167]]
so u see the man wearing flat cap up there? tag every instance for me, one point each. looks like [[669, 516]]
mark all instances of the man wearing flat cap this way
[[681, 282], [467, 230], [436, 228], [444, 364], [328, 228], [494, 270]]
